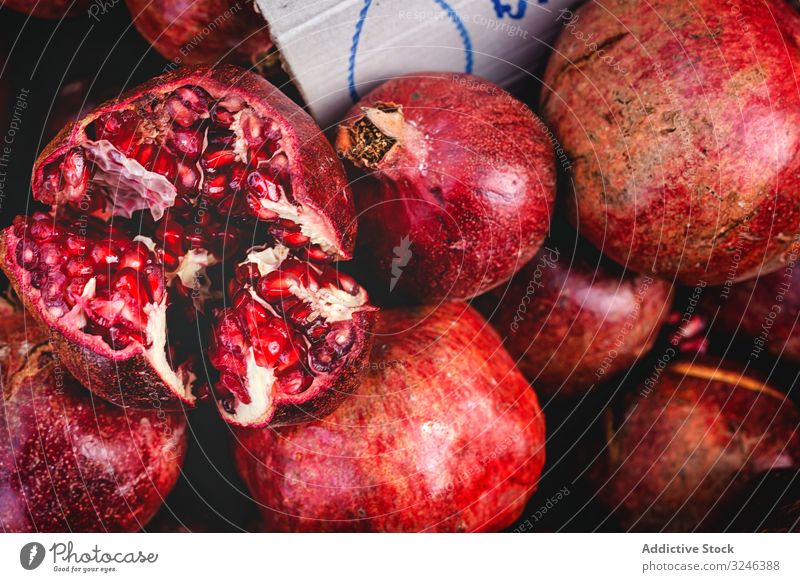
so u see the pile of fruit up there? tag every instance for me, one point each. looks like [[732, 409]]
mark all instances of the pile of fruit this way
[[374, 311]]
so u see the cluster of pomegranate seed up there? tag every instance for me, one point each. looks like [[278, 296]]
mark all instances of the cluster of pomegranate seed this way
[[285, 332], [63, 255]]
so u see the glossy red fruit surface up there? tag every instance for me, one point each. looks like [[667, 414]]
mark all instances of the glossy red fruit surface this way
[[572, 323], [196, 32], [50, 9], [764, 312], [444, 434], [690, 443], [70, 462], [460, 184], [683, 133], [177, 211]]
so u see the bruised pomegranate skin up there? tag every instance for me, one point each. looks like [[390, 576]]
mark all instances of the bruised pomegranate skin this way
[[571, 323], [69, 462], [682, 125], [179, 30], [50, 9], [444, 434], [204, 195], [460, 184], [765, 310], [689, 445]]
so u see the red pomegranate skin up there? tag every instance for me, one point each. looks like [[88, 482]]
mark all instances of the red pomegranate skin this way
[[50, 9], [444, 435], [70, 462], [683, 133], [572, 323], [766, 311], [462, 199], [684, 454], [195, 32]]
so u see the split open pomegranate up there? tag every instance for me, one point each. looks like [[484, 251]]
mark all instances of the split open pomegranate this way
[[204, 192]]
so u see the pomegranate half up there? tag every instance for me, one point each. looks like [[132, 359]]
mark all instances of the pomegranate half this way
[[443, 435], [205, 194], [459, 188], [681, 120], [70, 462]]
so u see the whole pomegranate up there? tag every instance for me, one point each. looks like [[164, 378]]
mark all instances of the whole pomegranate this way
[[195, 32], [690, 444], [52, 9], [682, 126], [460, 184], [766, 310], [203, 206], [571, 322], [443, 435], [70, 462]]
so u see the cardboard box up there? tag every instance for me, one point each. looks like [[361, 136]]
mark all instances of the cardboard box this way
[[336, 50]]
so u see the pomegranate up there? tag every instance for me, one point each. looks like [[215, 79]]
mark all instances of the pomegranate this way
[[203, 188], [460, 184], [443, 435], [69, 462], [571, 322], [195, 32], [51, 9], [690, 444], [765, 310], [682, 126]]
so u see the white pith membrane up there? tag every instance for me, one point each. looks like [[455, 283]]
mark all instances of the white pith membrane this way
[[125, 187], [327, 303]]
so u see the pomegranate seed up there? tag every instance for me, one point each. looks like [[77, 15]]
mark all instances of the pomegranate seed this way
[[171, 262], [276, 285], [216, 160], [237, 177], [294, 382], [153, 278], [44, 230], [188, 178], [118, 127], [241, 299], [53, 290], [38, 278], [315, 253], [262, 186], [51, 254], [216, 187], [268, 345], [187, 105], [295, 239], [135, 256], [127, 280], [165, 164], [79, 267], [221, 116], [247, 273], [323, 359], [74, 290], [104, 253], [75, 245], [254, 202], [186, 141], [74, 169], [27, 254], [289, 359], [227, 243], [144, 154]]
